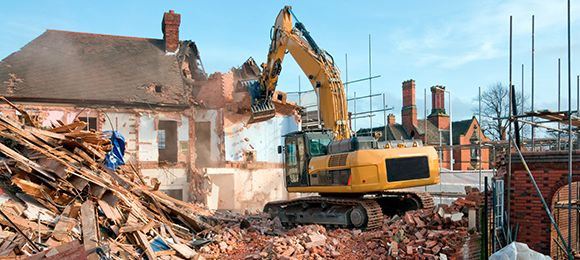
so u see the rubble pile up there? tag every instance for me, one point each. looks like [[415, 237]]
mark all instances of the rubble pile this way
[[438, 233], [56, 190]]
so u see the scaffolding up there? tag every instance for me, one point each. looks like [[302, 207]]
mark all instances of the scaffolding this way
[[501, 225]]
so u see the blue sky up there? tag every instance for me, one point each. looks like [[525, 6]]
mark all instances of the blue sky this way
[[458, 44]]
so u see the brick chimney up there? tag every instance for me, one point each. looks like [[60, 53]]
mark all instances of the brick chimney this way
[[409, 110], [391, 119], [438, 115], [170, 28]]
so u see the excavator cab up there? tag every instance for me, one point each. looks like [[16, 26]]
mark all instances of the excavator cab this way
[[299, 148]]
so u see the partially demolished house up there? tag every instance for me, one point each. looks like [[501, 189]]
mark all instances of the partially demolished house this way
[[182, 128]]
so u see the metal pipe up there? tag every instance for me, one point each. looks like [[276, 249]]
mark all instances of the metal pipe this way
[[425, 121], [569, 136], [509, 151], [354, 130], [542, 198], [370, 84], [385, 118], [493, 235], [369, 96], [363, 79], [523, 102], [559, 99], [479, 137], [515, 111], [485, 229], [533, 52], [450, 132]]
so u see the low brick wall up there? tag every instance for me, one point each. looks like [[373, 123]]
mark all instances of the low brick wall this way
[[550, 171]]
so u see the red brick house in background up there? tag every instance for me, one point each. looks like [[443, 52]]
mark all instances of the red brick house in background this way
[[434, 130]]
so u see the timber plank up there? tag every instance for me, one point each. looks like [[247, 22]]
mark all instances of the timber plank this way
[[89, 229], [144, 243]]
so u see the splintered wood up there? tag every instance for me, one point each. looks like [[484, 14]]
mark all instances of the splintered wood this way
[[72, 197]]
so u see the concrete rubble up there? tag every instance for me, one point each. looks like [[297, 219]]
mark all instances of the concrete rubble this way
[[60, 201]]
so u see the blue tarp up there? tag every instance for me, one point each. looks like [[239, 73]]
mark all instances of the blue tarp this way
[[115, 157], [157, 245]]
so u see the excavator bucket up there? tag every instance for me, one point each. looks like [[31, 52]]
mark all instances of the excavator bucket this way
[[262, 108], [262, 111]]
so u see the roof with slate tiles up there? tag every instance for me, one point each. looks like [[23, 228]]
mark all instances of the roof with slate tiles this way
[[84, 67]]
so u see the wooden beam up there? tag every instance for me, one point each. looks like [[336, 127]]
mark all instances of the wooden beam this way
[[89, 228], [68, 128], [155, 183], [144, 243], [110, 198], [64, 225], [32, 244], [18, 157], [113, 174], [22, 111]]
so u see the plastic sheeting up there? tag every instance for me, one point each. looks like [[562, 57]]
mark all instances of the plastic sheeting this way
[[115, 157], [518, 251]]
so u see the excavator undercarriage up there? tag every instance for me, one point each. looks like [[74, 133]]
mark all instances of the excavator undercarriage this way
[[347, 212]]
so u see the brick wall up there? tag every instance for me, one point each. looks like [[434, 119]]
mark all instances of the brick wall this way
[[471, 249], [550, 171]]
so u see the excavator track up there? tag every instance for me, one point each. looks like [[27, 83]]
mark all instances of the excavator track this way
[[331, 211], [364, 213], [424, 197]]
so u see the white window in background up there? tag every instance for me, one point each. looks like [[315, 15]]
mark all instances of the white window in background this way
[[498, 211]]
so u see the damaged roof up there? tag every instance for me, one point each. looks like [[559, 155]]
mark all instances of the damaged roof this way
[[81, 67]]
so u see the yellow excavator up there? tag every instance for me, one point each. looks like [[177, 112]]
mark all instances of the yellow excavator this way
[[357, 178]]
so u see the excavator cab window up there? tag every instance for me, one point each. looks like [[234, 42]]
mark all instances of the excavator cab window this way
[[295, 162], [318, 146]]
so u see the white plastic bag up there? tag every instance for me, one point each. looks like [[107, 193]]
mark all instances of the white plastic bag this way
[[518, 251]]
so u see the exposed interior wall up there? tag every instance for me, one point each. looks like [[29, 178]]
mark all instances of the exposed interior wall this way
[[240, 157], [172, 175], [262, 138], [171, 179], [147, 139], [244, 189], [213, 117]]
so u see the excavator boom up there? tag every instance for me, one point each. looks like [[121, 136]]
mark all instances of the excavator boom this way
[[358, 179], [316, 63]]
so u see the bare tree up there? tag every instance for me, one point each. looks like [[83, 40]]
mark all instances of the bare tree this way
[[495, 103]]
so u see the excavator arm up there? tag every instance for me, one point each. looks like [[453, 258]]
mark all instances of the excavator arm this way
[[316, 63]]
